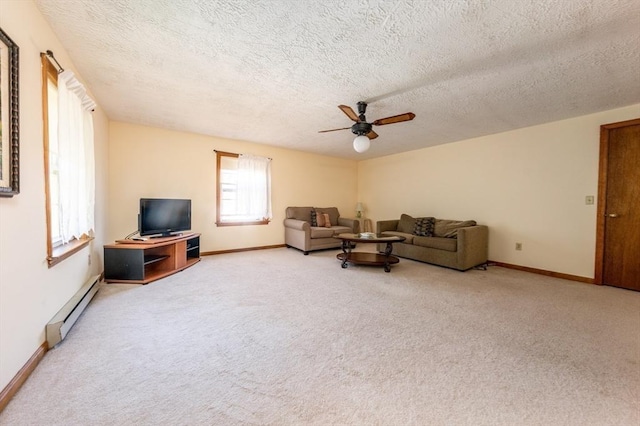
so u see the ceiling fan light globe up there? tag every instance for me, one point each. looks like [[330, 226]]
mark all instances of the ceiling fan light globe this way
[[361, 143]]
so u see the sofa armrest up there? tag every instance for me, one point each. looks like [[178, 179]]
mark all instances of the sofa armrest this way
[[473, 246], [297, 224], [354, 224], [386, 225]]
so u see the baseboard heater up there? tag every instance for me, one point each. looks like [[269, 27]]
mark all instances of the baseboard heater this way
[[62, 322]]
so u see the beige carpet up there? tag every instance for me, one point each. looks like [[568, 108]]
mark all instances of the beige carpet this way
[[273, 337]]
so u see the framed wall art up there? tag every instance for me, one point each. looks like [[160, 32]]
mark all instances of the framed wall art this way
[[10, 114]]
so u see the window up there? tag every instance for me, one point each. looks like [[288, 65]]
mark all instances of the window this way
[[68, 162], [243, 189]]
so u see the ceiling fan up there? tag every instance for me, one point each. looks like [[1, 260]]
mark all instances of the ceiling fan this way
[[362, 129]]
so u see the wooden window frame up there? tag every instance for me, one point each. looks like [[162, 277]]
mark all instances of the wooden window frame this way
[[219, 222], [57, 254]]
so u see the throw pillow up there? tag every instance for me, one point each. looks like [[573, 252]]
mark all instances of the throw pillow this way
[[327, 220], [424, 226], [332, 211], [314, 218], [406, 224], [319, 219]]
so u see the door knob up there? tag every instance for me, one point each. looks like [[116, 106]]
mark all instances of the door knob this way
[[611, 214]]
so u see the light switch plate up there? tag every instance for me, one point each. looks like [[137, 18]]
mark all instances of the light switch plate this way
[[589, 200]]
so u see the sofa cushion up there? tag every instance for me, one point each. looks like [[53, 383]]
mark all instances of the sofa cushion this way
[[408, 236], [424, 226], [299, 213], [332, 211], [314, 217], [341, 230], [449, 228], [406, 224], [323, 232], [440, 243]]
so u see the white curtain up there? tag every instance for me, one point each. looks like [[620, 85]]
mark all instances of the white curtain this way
[[76, 166], [254, 186]]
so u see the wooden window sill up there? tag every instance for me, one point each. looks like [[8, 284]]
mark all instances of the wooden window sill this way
[[67, 250], [257, 222]]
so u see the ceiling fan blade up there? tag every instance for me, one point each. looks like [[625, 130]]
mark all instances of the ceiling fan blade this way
[[350, 112], [333, 130], [407, 116], [372, 135]]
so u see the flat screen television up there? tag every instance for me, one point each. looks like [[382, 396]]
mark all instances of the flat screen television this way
[[164, 216]]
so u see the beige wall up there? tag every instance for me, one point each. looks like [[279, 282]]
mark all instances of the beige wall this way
[[528, 185], [31, 293], [151, 162]]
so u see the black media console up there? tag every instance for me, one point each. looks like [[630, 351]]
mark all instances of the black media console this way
[[140, 262]]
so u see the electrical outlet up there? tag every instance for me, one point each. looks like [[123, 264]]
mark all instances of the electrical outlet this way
[[89, 260], [518, 246], [589, 200]]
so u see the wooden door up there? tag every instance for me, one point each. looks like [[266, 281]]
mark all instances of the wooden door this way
[[618, 236]]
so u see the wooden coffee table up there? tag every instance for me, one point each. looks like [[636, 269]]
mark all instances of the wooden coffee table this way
[[362, 258]]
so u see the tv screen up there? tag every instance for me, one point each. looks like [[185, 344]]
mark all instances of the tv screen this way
[[164, 216]]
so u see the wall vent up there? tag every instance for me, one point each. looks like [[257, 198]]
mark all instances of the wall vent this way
[[62, 322]]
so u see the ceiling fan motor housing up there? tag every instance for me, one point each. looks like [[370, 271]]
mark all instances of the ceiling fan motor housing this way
[[361, 128]]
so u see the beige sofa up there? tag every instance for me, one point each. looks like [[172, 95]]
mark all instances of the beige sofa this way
[[454, 244], [300, 232]]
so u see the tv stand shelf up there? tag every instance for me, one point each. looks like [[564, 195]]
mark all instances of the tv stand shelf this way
[[141, 262], [151, 258]]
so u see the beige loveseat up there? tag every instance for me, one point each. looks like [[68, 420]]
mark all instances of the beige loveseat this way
[[451, 243], [302, 231]]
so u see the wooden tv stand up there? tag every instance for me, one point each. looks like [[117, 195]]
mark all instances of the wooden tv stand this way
[[141, 262]]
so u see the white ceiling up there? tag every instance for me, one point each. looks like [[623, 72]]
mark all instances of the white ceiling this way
[[274, 71]]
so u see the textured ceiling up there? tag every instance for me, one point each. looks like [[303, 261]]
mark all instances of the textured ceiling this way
[[274, 71]]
